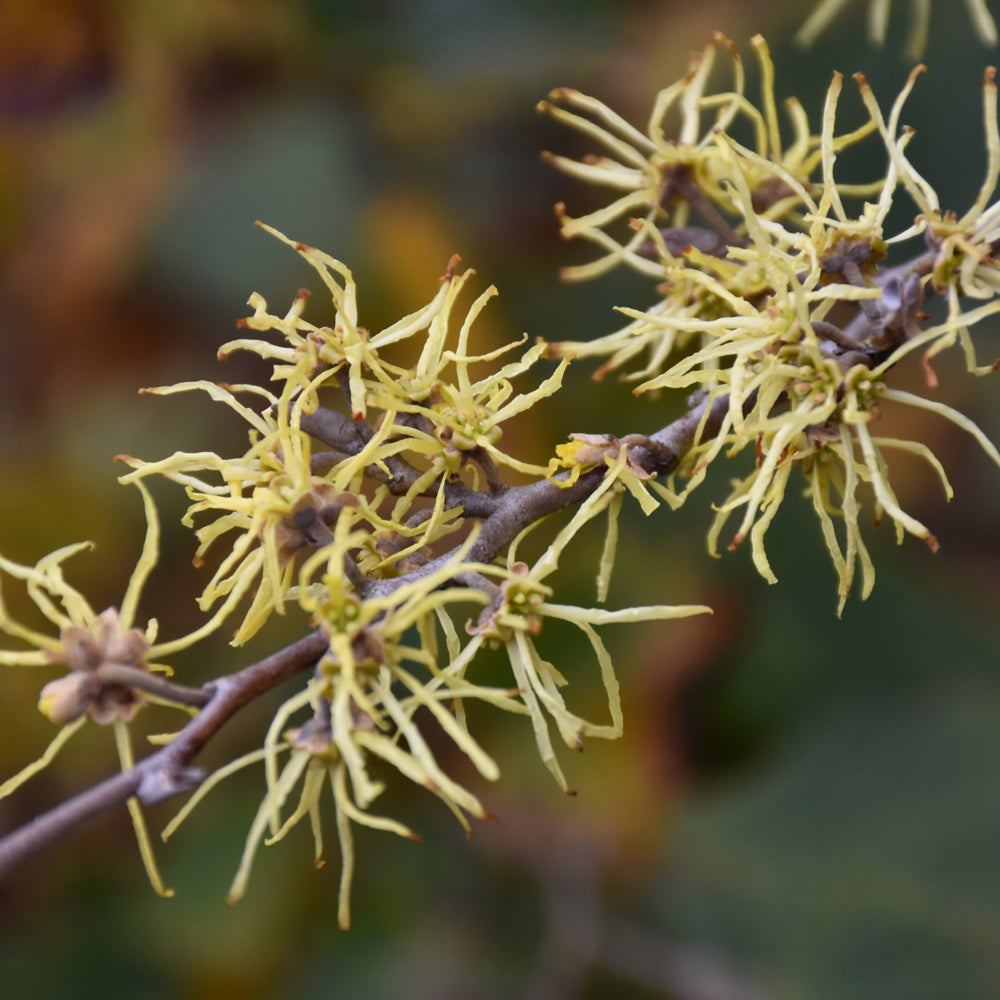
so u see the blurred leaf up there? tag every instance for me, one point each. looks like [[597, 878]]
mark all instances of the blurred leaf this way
[[862, 862]]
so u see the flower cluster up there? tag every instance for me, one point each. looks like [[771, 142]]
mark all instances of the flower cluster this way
[[777, 307], [367, 500], [700, 190], [373, 502], [109, 675]]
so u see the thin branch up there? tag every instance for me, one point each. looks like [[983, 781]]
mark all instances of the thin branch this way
[[143, 680], [45, 830], [671, 443], [831, 332], [166, 772], [494, 479], [678, 183]]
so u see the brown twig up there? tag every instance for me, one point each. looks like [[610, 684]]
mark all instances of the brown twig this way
[[166, 772], [143, 680]]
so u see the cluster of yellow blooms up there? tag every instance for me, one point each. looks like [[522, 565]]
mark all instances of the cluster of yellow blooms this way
[[368, 521], [776, 302], [374, 479]]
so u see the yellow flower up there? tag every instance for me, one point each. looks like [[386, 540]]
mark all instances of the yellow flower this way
[[363, 699], [451, 414], [828, 438], [106, 657], [318, 354], [276, 505], [517, 615], [429, 425], [962, 259], [764, 210], [673, 176]]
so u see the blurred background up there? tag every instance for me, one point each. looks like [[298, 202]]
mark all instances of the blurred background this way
[[801, 806]]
